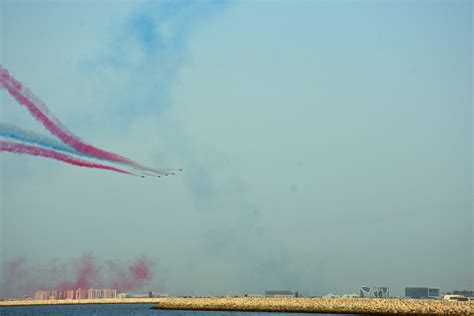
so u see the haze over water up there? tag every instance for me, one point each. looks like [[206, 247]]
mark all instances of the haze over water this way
[[119, 309]]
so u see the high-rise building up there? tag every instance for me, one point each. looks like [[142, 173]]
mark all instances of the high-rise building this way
[[92, 293], [53, 295], [62, 294], [101, 293], [41, 295], [81, 294], [108, 293], [70, 295]]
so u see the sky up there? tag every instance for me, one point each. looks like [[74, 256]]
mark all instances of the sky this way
[[324, 145]]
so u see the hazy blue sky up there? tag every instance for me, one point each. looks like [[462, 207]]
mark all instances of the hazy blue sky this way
[[325, 145]]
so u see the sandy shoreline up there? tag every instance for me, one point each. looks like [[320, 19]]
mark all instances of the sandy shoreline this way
[[319, 305], [302, 305]]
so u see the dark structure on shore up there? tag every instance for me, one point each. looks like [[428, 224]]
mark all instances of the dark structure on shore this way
[[421, 292], [465, 293], [273, 293]]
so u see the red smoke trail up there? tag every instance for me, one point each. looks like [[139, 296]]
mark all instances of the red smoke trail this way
[[40, 112], [12, 271], [127, 279], [87, 275], [21, 278], [37, 151], [14, 266]]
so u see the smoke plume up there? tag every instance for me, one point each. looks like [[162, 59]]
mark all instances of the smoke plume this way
[[21, 278]]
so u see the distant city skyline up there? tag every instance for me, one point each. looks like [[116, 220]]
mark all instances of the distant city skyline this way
[[75, 294], [364, 292]]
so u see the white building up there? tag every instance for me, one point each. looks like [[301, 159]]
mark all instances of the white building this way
[[374, 291]]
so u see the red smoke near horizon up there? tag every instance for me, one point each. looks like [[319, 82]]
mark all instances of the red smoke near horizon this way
[[87, 274], [134, 277], [19, 278]]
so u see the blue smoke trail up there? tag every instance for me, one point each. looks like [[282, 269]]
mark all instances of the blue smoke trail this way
[[16, 133], [30, 137]]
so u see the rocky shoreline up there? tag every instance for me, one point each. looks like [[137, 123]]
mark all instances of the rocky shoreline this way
[[320, 305]]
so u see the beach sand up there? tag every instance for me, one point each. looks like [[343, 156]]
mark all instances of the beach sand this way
[[320, 305]]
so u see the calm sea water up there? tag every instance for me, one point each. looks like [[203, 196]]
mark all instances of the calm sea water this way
[[117, 309]]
